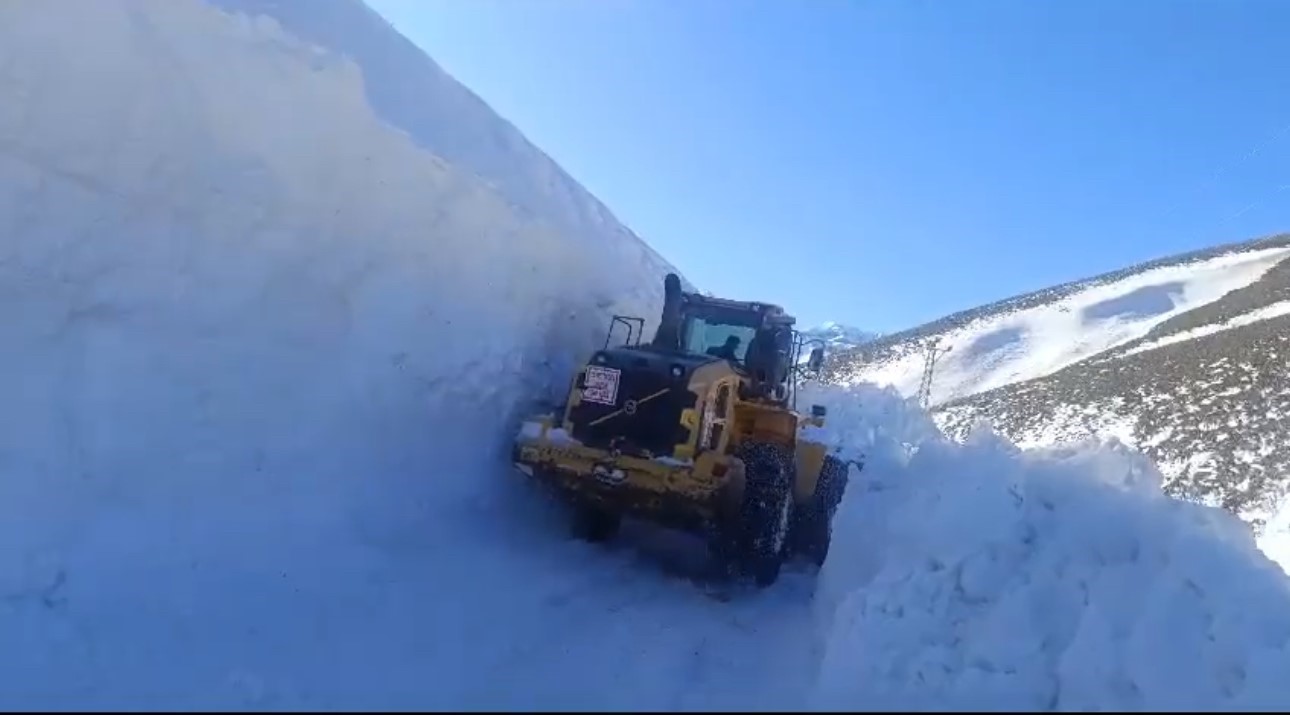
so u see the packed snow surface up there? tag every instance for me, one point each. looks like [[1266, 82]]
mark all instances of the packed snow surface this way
[[264, 358], [1007, 348]]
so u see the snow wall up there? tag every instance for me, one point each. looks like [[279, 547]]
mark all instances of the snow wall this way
[[262, 356], [246, 324], [223, 277]]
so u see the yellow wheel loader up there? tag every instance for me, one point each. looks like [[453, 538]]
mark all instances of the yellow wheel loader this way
[[697, 430]]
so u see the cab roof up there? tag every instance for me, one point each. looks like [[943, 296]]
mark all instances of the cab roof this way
[[770, 312]]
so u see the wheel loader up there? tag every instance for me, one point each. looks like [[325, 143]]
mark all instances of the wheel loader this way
[[697, 430]]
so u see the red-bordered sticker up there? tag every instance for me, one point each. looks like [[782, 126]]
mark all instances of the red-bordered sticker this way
[[601, 385]]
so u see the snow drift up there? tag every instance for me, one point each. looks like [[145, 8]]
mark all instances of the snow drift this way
[[982, 577]]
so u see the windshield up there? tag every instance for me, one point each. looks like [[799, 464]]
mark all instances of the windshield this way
[[714, 338]]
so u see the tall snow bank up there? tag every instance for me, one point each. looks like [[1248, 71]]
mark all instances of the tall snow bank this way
[[406, 89], [215, 262], [257, 345], [979, 576]]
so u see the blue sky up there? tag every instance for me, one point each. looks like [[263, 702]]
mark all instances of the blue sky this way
[[883, 163]]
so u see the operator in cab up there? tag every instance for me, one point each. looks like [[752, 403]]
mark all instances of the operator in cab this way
[[728, 350]]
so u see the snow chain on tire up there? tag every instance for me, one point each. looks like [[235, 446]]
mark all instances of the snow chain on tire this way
[[766, 514]]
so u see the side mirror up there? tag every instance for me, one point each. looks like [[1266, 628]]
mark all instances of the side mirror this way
[[816, 361]]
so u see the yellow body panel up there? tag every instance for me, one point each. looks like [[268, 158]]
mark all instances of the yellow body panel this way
[[765, 423], [810, 459], [638, 484]]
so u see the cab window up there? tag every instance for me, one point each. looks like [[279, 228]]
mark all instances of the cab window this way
[[722, 340]]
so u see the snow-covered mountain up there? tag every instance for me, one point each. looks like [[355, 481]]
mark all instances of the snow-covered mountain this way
[[838, 336], [265, 347], [1182, 357]]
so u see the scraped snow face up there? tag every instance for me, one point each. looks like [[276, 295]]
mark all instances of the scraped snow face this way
[[1023, 345]]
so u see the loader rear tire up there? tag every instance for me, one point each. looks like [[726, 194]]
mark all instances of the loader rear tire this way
[[813, 531]]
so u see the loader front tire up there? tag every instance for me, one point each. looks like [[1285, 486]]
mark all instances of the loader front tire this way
[[767, 510]]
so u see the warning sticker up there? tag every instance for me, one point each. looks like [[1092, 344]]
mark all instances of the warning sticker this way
[[602, 385]]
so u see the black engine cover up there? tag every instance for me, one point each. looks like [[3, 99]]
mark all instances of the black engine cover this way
[[642, 415]]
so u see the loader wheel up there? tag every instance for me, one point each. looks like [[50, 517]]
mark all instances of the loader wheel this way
[[767, 510], [813, 531], [593, 524]]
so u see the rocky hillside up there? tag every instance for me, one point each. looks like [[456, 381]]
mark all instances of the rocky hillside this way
[[1184, 357]]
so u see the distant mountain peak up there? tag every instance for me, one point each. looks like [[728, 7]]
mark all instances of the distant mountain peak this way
[[840, 335]]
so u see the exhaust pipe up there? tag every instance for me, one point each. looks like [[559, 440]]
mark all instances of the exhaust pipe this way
[[668, 334]]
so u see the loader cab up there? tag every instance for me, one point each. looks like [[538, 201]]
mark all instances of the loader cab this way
[[713, 334], [756, 338]]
